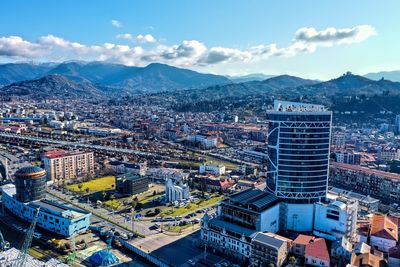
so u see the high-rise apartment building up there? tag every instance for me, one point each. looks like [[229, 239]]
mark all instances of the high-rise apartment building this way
[[62, 165], [298, 148]]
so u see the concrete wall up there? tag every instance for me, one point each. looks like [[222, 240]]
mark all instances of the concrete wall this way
[[270, 220], [299, 217]]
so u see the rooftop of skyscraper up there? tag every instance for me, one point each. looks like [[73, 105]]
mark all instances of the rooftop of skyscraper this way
[[287, 106]]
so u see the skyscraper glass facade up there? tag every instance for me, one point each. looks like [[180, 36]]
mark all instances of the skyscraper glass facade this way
[[298, 149]]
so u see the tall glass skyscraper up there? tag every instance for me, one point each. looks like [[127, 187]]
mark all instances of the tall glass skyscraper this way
[[298, 150]]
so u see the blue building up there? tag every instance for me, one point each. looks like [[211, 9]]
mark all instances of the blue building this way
[[24, 198], [298, 151]]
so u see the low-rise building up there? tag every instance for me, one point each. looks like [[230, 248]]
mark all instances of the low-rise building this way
[[131, 184], [317, 254], [124, 167], [384, 232], [216, 170], [53, 216], [269, 248]]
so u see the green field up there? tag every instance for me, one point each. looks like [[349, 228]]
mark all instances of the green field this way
[[95, 185], [192, 206]]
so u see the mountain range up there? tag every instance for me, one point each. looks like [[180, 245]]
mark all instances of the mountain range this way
[[388, 75], [98, 79], [115, 77]]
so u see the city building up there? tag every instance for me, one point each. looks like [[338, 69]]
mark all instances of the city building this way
[[131, 184], [300, 243], [339, 139], [298, 149], [28, 196], [176, 191], [205, 140], [397, 124], [124, 167], [394, 256], [388, 154], [317, 253], [384, 186], [268, 248], [366, 204], [384, 232], [348, 157], [216, 170], [364, 255], [337, 219], [65, 166], [238, 218]]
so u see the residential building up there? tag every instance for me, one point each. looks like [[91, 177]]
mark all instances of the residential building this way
[[268, 248], [384, 232], [300, 243], [298, 151], [217, 170], [363, 256], [348, 157], [65, 166], [124, 167], [388, 154], [238, 218], [205, 140], [382, 185], [131, 184], [317, 254], [176, 191]]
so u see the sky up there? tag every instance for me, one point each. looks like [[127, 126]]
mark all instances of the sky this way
[[311, 39]]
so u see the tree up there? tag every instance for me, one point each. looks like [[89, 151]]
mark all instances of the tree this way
[[104, 194], [292, 260], [154, 192], [80, 185], [87, 190]]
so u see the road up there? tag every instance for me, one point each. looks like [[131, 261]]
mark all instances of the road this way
[[61, 143]]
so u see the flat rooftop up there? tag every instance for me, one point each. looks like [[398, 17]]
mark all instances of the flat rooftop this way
[[356, 168], [60, 153], [253, 198], [287, 106]]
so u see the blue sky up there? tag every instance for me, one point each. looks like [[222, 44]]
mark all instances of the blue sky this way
[[314, 39]]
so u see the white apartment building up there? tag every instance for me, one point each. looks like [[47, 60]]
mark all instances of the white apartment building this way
[[63, 165], [217, 170], [204, 140]]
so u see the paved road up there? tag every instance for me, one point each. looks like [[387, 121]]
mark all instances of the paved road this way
[[78, 145]]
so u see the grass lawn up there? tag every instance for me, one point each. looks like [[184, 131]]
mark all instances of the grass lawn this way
[[192, 207], [113, 203], [177, 228], [95, 185]]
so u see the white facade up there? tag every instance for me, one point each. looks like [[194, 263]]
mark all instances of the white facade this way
[[52, 217], [176, 191], [336, 220], [299, 217], [206, 141], [217, 170]]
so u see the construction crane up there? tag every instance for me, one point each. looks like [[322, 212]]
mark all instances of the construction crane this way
[[23, 254], [4, 245]]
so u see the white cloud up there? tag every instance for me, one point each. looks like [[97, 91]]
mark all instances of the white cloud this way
[[332, 35], [187, 53], [116, 23], [147, 38]]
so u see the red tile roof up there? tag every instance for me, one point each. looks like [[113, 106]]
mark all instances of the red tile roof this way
[[303, 239], [318, 249], [384, 227]]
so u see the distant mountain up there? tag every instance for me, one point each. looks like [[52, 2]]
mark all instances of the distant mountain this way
[[152, 78], [249, 77], [350, 84], [278, 85], [387, 75], [51, 86], [11, 73]]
